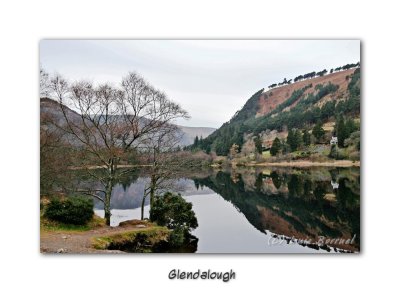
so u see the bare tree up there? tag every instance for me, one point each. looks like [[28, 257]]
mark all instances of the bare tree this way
[[164, 165], [109, 122], [54, 157], [44, 83]]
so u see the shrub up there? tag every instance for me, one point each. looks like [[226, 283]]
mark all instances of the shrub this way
[[172, 211], [77, 210], [343, 154], [354, 156], [334, 151], [177, 237]]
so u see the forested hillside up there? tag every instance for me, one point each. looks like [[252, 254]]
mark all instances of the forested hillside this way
[[314, 99]]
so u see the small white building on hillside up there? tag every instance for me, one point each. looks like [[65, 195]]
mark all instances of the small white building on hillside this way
[[334, 140]]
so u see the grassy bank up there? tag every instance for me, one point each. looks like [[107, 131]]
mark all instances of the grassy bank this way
[[47, 225], [97, 237], [143, 240]]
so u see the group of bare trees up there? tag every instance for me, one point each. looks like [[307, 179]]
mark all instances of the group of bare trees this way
[[108, 124]]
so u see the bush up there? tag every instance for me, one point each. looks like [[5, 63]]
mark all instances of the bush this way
[[177, 237], [354, 156], [172, 211], [342, 154], [77, 210], [334, 151]]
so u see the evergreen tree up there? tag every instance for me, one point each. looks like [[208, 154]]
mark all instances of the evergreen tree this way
[[258, 144], [196, 141], [344, 129], [298, 139], [318, 131], [276, 147], [350, 126], [341, 132], [306, 137], [285, 148], [291, 140], [334, 151]]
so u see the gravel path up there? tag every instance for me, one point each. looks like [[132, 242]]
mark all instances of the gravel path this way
[[81, 242]]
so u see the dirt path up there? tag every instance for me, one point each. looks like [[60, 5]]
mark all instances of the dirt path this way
[[81, 242]]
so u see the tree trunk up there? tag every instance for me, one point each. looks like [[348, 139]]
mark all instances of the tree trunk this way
[[151, 196], [107, 206], [153, 186], [109, 187], [142, 209]]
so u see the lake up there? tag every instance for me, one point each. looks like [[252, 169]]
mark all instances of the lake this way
[[255, 210]]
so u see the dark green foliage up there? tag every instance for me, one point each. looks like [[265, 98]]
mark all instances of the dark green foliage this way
[[350, 65], [341, 132], [352, 87], [352, 104], [328, 110], [298, 116], [304, 114], [334, 151], [318, 131], [172, 211], [303, 206], [294, 139], [77, 210], [322, 73], [249, 109], [290, 140], [258, 144], [314, 74], [276, 147], [343, 129], [323, 90], [276, 179], [259, 181], [293, 98], [272, 86], [285, 148], [231, 132], [298, 138], [177, 236], [306, 137], [196, 141]]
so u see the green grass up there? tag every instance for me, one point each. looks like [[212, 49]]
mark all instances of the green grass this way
[[326, 152], [151, 236], [49, 225], [266, 154]]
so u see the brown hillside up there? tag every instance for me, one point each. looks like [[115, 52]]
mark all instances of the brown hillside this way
[[272, 98]]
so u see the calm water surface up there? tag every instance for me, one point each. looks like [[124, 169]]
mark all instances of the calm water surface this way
[[281, 210]]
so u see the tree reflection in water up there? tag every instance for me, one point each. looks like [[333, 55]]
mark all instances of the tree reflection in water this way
[[298, 203]]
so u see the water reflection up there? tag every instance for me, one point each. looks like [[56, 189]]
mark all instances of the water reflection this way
[[296, 203], [242, 210]]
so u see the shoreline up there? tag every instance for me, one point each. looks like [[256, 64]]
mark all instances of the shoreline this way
[[299, 163], [341, 163]]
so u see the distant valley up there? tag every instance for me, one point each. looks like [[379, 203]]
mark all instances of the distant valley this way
[[187, 134]]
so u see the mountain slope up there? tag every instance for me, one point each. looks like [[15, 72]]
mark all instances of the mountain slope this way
[[297, 105], [272, 98], [51, 109]]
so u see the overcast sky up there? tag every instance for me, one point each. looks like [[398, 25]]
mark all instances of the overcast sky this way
[[211, 79]]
